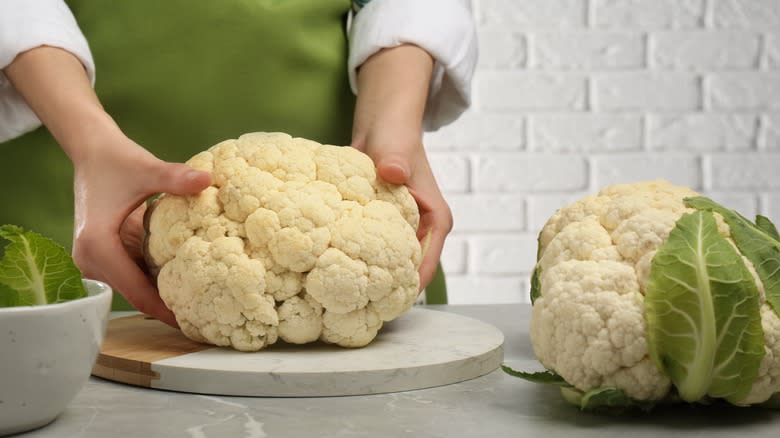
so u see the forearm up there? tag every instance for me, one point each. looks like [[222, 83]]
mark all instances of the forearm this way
[[56, 87], [392, 92]]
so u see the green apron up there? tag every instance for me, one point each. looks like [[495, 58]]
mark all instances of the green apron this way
[[179, 76]]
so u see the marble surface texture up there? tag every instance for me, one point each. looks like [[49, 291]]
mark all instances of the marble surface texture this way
[[494, 405], [420, 349]]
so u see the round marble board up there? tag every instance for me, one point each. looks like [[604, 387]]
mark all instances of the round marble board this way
[[421, 349]]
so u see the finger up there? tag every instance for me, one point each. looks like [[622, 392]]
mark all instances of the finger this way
[[131, 234], [435, 225], [430, 261], [178, 179], [127, 278], [394, 162], [394, 169]]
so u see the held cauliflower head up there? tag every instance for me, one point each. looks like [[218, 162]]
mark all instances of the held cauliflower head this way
[[648, 293], [293, 240]]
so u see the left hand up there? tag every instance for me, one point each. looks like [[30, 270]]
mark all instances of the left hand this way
[[393, 88], [405, 163]]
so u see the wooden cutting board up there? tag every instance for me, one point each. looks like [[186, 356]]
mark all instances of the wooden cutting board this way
[[421, 349]]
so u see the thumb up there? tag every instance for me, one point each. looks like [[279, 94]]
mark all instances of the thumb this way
[[394, 166], [180, 179]]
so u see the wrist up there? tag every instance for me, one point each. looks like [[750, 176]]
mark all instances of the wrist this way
[[393, 89], [85, 133]]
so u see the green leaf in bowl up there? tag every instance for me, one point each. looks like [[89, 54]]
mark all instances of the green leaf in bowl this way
[[35, 270]]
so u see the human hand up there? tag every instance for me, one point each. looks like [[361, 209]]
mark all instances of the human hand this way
[[393, 88], [111, 185], [405, 163], [113, 175]]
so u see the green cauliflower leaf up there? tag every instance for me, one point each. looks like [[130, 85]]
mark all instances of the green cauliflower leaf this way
[[35, 270]]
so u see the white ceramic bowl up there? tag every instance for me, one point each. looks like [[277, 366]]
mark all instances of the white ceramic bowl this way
[[46, 356]]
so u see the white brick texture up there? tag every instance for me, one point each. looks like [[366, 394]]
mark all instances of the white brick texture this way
[[646, 91], [704, 50], [533, 14], [731, 171], [500, 289], [773, 208], [772, 42], [648, 14], [585, 132], [770, 136], [586, 50], [480, 130], [744, 91], [530, 172], [452, 172], [541, 207], [746, 14], [503, 254], [573, 95], [531, 91], [454, 256], [684, 169], [703, 132], [487, 212], [500, 49]]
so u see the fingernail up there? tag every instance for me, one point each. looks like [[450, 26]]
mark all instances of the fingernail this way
[[394, 172], [192, 175]]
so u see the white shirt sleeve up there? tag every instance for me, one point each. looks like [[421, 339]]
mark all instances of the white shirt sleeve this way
[[24, 25], [444, 28]]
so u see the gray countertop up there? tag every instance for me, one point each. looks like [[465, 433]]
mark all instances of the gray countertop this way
[[495, 405]]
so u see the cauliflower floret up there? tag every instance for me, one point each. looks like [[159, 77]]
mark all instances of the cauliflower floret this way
[[293, 239], [591, 320], [338, 282], [300, 319], [354, 329], [217, 294]]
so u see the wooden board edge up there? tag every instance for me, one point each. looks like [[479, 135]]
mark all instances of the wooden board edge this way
[[124, 371]]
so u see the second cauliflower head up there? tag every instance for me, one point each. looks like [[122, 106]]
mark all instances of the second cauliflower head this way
[[293, 240], [657, 292]]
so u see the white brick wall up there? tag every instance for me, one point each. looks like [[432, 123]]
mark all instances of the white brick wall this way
[[701, 131], [586, 50], [526, 14], [584, 132], [636, 91], [703, 50], [523, 172], [772, 59], [647, 14], [523, 90], [770, 139], [746, 14], [744, 171], [572, 95]]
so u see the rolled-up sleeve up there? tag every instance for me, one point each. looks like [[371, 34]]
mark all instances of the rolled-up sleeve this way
[[444, 28], [24, 25]]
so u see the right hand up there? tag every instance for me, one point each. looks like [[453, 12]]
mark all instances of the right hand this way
[[113, 175], [111, 185]]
